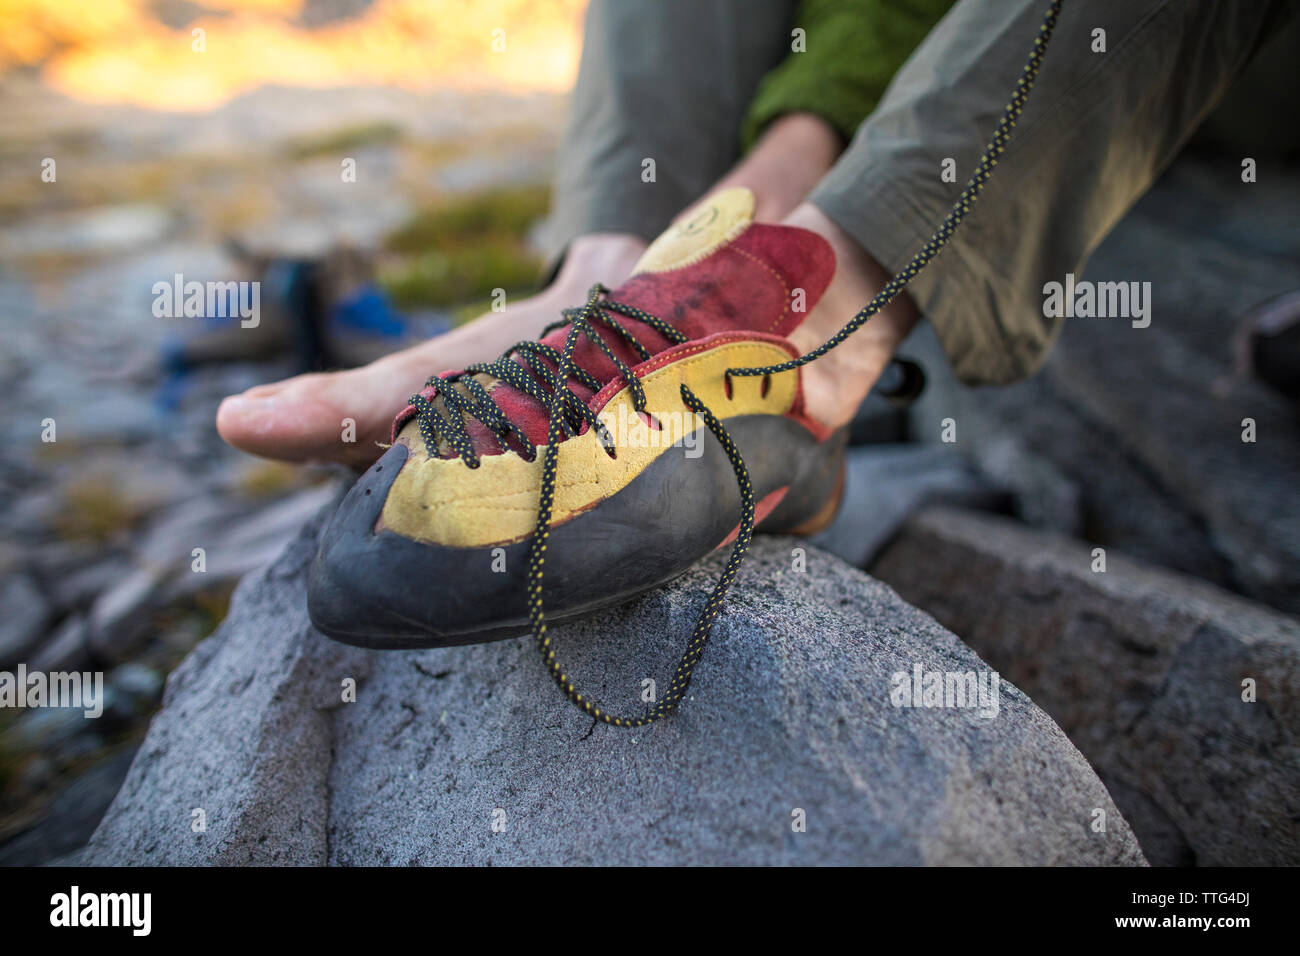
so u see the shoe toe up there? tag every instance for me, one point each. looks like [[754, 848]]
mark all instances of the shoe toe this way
[[374, 588]]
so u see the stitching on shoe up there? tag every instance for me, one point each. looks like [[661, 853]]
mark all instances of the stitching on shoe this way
[[785, 308]]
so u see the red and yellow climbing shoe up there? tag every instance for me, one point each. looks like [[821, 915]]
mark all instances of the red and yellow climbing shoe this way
[[432, 545], [650, 427]]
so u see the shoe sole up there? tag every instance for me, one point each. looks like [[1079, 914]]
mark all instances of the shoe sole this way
[[383, 590]]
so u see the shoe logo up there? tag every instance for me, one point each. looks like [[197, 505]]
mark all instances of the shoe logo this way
[[708, 229], [699, 222]]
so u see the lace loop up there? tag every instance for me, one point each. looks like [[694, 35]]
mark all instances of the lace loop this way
[[544, 377]]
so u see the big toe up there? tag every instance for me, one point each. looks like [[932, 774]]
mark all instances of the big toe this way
[[302, 419]]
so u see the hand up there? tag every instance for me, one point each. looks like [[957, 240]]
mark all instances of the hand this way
[[790, 158]]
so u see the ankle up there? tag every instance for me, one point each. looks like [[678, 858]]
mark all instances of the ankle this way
[[836, 383], [858, 277]]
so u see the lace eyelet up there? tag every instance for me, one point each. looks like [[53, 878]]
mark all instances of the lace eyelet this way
[[726, 385]]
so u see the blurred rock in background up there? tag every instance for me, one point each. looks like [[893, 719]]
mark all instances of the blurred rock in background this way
[[220, 164]]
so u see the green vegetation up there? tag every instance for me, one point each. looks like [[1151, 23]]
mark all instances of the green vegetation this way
[[457, 276], [460, 250], [504, 213], [94, 509], [341, 140]]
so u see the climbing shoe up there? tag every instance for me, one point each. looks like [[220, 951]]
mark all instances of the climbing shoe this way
[[431, 546], [515, 493]]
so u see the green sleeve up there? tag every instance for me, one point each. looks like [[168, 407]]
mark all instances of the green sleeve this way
[[853, 48]]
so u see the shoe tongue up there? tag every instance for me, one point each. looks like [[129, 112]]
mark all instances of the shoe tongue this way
[[717, 221], [719, 271], [715, 271]]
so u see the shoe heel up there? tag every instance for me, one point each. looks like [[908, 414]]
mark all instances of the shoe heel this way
[[812, 503]]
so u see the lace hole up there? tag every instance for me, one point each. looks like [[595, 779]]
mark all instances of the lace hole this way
[[651, 422], [766, 387], [726, 386]]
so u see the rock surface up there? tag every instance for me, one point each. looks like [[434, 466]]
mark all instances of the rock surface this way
[[1143, 669], [25, 615], [1144, 426], [790, 711], [885, 483]]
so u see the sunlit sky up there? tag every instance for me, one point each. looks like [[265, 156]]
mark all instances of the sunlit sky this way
[[125, 51]]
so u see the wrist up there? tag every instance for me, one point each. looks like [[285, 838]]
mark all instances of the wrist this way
[[789, 159], [605, 257]]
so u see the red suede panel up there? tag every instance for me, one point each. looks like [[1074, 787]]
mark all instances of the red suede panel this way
[[746, 286]]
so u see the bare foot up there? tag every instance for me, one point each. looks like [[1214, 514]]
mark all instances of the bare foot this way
[[306, 418], [835, 384]]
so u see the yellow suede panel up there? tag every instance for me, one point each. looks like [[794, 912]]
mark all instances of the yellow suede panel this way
[[724, 216], [442, 501]]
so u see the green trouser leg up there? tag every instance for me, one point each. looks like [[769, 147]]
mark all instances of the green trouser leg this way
[[668, 81], [1097, 131]]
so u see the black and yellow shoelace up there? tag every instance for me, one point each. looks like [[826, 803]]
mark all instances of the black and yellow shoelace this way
[[534, 378], [567, 412]]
